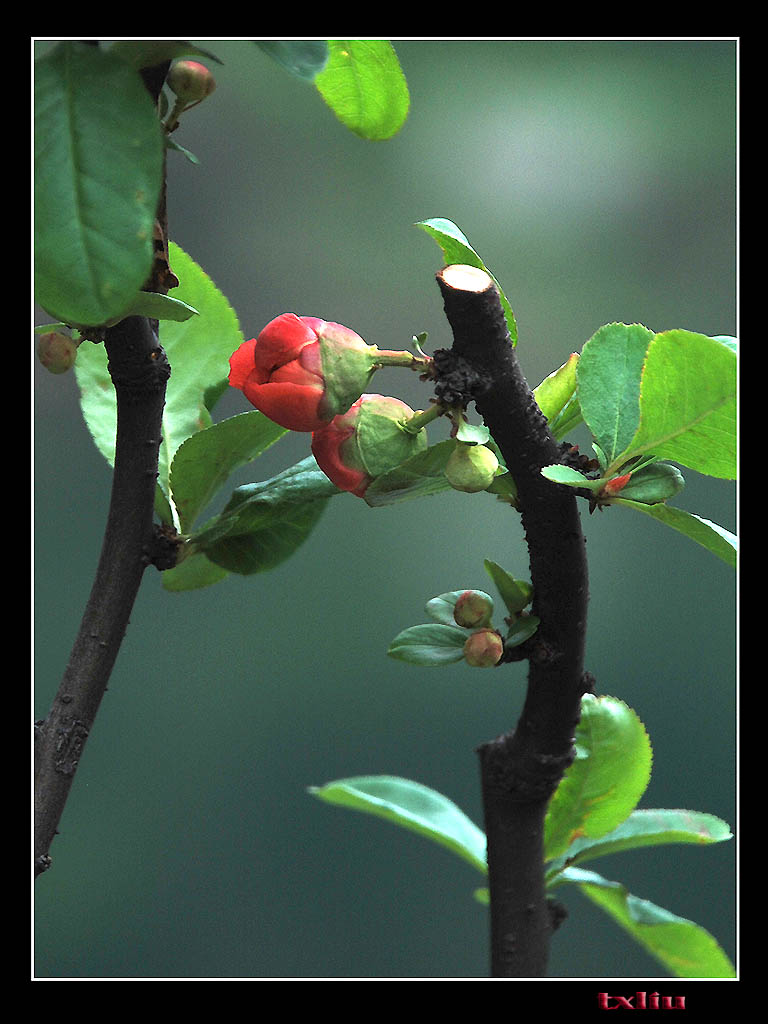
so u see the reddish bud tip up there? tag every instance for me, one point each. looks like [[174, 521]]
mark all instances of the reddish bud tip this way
[[472, 609], [57, 352], [483, 649], [191, 81], [617, 484]]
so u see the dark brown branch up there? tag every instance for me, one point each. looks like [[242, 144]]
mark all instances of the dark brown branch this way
[[139, 371], [520, 769]]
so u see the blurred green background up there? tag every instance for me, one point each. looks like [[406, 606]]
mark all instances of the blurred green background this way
[[597, 181]]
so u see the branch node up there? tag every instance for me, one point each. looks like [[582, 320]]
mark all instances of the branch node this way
[[164, 547], [42, 863], [457, 383]]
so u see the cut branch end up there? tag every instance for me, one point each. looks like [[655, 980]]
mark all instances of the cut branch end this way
[[465, 278]]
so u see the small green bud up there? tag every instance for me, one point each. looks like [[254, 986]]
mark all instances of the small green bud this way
[[653, 484], [191, 81], [484, 649], [471, 467], [472, 609], [56, 351]]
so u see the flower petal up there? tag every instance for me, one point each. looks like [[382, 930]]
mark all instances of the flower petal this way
[[241, 364], [282, 341], [293, 406], [328, 447]]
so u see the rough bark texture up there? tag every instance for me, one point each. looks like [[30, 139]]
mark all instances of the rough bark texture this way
[[139, 371], [521, 768]]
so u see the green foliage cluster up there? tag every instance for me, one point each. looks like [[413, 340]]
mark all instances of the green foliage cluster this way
[[442, 641], [198, 455], [592, 813]]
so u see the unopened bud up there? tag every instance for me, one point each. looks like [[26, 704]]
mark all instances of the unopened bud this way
[[483, 649], [191, 81], [471, 467], [472, 609], [57, 352], [654, 483], [617, 484]]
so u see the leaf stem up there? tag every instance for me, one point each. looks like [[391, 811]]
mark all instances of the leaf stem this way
[[420, 419], [391, 357]]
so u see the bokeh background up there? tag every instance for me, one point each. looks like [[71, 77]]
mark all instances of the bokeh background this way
[[597, 179]]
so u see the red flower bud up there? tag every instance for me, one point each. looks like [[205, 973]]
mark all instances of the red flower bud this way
[[483, 649], [366, 441], [56, 351], [473, 608], [302, 371], [191, 81]]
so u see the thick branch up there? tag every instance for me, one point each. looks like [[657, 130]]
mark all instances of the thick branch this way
[[139, 371], [521, 769]]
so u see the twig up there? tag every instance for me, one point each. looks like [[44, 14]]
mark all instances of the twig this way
[[139, 371], [521, 769]]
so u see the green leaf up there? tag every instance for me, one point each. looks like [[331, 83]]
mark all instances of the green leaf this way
[[567, 419], [97, 397], [160, 307], [685, 949], [302, 58], [522, 630], [365, 87], [688, 403], [98, 172], [264, 523], [609, 374], [646, 828], [99, 408], [213, 393], [456, 249], [429, 644], [604, 783], [653, 483], [556, 397], [418, 476], [554, 392], [412, 806], [266, 542], [45, 328], [204, 462], [728, 341], [504, 487], [714, 538], [172, 144], [600, 455], [570, 477], [194, 572], [472, 433], [198, 350], [516, 594]]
